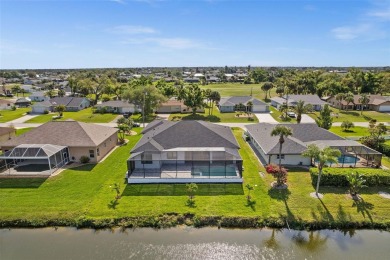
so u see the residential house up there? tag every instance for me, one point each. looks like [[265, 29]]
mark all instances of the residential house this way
[[116, 106], [74, 138], [354, 154], [175, 106], [231, 104], [6, 133], [377, 103], [38, 96], [23, 102], [292, 100], [6, 104], [183, 152], [71, 103], [42, 107], [27, 88]]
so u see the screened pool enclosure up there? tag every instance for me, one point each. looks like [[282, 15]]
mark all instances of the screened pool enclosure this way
[[186, 165]]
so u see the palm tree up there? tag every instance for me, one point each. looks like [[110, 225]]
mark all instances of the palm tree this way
[[300, 109], [321, 156], [60, 109], [283, 110], [364, 99], [348, 98], [281, 131], [339, 97], [215, 98], [249, 106]]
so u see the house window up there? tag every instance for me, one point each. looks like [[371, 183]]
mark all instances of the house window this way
[[171, 155], [277, 156], [91, 154], [146, 159], [98, 152], [105, 145]]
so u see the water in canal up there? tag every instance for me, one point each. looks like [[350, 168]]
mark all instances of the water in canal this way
[[190, 243]]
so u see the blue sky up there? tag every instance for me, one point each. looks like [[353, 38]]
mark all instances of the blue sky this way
[[158, 33]]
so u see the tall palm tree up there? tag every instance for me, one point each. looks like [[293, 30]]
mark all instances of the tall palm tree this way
[[364, 99], [339, 97], [300, 109], [348, 98], [283, 110], [281, 131], [249, 106], [321, 156]]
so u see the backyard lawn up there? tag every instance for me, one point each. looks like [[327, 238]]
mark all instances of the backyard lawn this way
[[23, 130], [216, 117], [355, 116], [9, 115], [238, 89], [87, 192], [84, 115]]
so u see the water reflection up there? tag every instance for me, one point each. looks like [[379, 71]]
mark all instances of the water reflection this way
[[189, 243]]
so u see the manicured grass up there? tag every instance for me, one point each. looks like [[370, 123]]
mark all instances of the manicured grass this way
[[356, 131], [355, 116], [84, 115], [138, 118], [276, 114], [23, 130], [238, 89], [216, 117], [86, 192], [9, 115]]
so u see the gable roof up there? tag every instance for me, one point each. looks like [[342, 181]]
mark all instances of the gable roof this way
[[115, 103], [308, 99], [236, 100], [65, 133], [163, 135], [45, 103], [374, 100], [303, 134], [67, 101]]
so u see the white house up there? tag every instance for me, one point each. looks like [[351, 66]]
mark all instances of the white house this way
[[38, 96], [231, 104]]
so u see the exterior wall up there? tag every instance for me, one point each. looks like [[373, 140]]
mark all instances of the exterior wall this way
[[317, 107], [384, 107], [226, 108], [77, 152], [123, 110], [6, 106], [107, 146], [291, 159], [39, 109], [258, 148], [333, 102], [275, 104], [6, 137], [169, 109], [156, 164]]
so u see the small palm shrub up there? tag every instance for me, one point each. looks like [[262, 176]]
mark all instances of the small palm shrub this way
[[356, 182]]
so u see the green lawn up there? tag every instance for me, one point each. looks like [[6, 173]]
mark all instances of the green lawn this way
[[138, 118], [9, 115], [356, 131], [84, 115], [238, 89], [23, 130], [86, 192], [216, 117], [276, 114], [355, 116]]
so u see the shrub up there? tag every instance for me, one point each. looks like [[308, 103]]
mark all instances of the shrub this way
[[279, 174], [46, 112], [105, 99], [338, 176], [84, 159], [13, 108]]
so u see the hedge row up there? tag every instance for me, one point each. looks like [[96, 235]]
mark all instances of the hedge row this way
[[337, 176]]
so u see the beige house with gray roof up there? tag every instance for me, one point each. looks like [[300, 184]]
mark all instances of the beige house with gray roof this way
[[81, 139]]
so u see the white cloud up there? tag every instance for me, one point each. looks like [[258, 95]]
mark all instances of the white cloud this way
[[118, 1], [131, 29], [350, 32], [382, 14], [171, 43]]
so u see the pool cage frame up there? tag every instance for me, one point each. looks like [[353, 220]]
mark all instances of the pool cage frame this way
[[207, 164]]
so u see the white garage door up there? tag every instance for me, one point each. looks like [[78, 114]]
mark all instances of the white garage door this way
[[384, 108], [127, 110], [260, 108], [38, 110]]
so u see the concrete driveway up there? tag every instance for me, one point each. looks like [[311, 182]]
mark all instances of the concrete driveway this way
[[265, 118], [306, 119]]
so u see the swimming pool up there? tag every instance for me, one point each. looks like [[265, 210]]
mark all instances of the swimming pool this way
[[348, 159], [214, 171]]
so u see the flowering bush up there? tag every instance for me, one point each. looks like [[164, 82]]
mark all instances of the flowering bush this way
[[280, 174]]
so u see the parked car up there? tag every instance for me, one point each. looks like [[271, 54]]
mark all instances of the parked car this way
[[291, 114], [126, 115], [136, 125]]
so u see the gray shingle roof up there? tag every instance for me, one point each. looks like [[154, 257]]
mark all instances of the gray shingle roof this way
[[163, 134], [295, 144], [115, 103], [67, 101], [235, 100], [65, 133], [308, 99]]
